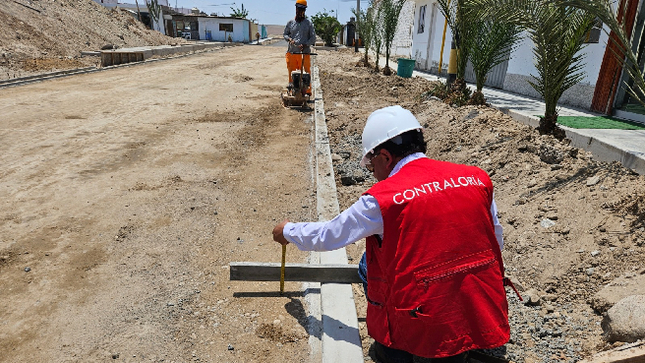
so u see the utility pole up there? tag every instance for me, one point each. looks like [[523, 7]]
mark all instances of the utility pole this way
[[358, 16]]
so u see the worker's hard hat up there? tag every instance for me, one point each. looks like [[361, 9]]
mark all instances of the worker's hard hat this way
[[301, 4], [386, 124]]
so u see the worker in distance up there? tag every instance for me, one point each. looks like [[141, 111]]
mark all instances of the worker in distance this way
[[432, 269], [301, 35]]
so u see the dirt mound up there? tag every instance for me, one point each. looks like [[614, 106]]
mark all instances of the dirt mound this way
[[572, 225], [49, 35]]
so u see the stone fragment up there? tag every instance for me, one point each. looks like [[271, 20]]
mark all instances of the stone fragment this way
[[532, 298], [351, 180], [472, 114], [625, 321], [618, 289], [547, 223], [593, 181], [550, 155]]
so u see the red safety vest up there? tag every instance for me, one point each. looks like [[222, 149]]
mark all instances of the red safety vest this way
[[435, 284]]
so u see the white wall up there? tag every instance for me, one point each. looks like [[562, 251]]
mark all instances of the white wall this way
[[522, 62], [522, 65], [402, 42], [240, 29], [426, 46], [426, 49]]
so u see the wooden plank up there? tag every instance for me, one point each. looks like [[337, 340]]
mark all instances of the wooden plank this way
[[628, 353], [254, 271]]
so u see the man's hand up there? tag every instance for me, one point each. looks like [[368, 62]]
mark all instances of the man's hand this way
[[292, 42], [301, 46], [278, 236]]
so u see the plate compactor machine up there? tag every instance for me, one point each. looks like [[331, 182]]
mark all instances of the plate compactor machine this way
[[296, 93]]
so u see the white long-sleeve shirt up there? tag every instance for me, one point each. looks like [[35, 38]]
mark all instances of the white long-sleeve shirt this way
[[362, 219]]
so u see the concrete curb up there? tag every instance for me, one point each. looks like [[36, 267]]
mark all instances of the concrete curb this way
[[340, 334], [605, 151]]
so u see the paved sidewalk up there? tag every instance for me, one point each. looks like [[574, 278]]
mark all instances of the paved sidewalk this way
[[625, 146]]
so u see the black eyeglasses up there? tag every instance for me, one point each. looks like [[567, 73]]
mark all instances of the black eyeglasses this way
[[368, 164]]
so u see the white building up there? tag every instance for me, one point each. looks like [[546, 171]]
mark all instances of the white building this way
[[223, 29], [430, 49]]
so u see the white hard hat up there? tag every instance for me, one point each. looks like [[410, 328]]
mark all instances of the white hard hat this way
[[385, 124]]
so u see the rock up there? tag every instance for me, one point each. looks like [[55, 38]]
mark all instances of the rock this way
[[336, 157], [550, 155], [595, 253], [230, 347], [27, 269], [472, 114], [547, 223], [618, 289], [351, 180], [593, 181], [625, 321], [532, 298]]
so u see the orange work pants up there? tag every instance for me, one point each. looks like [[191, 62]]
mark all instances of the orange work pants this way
[[294, 62]]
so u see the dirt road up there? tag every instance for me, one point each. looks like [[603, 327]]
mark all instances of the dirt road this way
[[126, 193]]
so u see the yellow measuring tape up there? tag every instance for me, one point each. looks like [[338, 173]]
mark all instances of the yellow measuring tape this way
[[284, 253]]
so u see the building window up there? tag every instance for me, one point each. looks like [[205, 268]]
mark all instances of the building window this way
[[226, 28], [422, 19]]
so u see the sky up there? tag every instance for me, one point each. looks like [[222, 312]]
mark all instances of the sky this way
[[272, 12]]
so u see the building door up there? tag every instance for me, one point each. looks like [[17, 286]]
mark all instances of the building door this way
[[626, 105]]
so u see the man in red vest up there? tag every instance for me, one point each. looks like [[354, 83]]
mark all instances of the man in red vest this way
[[433, 267]]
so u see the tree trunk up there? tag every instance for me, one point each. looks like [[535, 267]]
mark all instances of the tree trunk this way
[[549, 126]]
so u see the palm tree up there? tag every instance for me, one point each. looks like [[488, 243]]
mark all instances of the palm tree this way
[[604, 11], [491, 43], [239, 13], [558, 34]]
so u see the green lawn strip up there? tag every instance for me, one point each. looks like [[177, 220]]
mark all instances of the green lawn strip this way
[[598, 122]]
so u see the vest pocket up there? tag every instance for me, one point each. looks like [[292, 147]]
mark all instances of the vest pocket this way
[[447, 270], [456, 303]]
